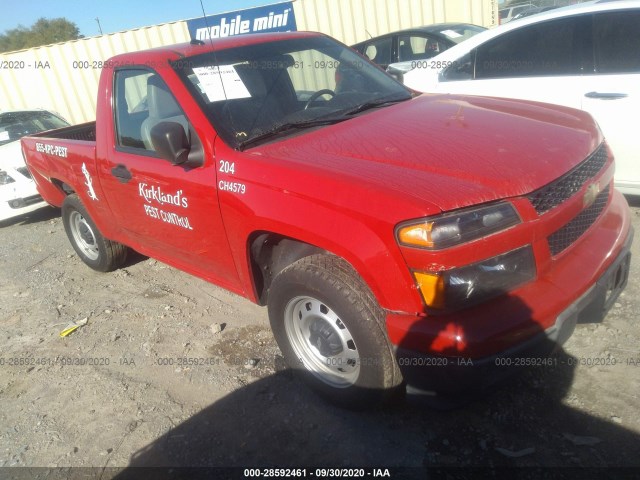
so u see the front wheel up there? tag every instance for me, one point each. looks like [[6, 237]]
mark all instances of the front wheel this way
[[331, 331], [96, 251]]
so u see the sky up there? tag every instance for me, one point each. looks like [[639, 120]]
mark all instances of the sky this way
[[114, 15]]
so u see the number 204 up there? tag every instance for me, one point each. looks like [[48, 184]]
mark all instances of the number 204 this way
[[227, 167]]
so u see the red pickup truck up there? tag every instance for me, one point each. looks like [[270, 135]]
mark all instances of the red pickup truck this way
[[396, 238]]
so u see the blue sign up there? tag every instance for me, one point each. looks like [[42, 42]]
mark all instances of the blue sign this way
[[278, 17]]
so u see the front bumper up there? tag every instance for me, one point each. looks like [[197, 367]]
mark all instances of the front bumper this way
[[15, 206], [449, 374], [20, 196]]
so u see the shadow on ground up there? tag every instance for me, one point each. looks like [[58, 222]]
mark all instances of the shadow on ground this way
[[277, 422], [41, 215], [633, 200]]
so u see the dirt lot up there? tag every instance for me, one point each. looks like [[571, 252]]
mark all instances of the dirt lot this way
[[123, 390]]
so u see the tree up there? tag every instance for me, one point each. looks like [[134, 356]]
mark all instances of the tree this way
[[44, 32]]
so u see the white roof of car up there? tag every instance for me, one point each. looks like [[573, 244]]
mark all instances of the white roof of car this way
[[24, 110]]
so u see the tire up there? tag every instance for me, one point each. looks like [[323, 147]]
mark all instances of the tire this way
[[331, 332], [96, 251]]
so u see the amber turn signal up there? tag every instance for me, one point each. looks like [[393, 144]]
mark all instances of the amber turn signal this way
[[431, 286]]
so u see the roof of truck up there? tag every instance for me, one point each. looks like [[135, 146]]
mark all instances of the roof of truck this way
[[189, 49]]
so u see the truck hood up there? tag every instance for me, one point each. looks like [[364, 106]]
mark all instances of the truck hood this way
[[449, 151]]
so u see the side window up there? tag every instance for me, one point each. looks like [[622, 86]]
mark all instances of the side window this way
[[142, 100], [418, 48], [379, 51], [551, 48], [131, 106], [616, 37]]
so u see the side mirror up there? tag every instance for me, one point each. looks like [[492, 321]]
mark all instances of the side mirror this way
[[170, 142], [399, 69]]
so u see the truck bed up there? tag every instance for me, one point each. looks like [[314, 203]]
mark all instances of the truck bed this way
[[84, 132], [60, 158]]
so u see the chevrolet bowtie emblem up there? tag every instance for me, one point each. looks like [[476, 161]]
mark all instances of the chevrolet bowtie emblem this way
[[591, 194]]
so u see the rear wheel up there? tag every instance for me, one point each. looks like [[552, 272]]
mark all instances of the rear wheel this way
[[331, 331], [96, 251]]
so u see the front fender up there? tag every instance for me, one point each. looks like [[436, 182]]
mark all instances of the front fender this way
[[367, 242]]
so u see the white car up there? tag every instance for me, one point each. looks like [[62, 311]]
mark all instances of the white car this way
[[585, 56], [18, 194]]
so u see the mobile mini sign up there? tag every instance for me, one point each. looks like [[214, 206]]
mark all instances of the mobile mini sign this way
[[278, 17]]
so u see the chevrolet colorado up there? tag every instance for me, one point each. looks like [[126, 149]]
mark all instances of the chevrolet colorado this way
[[397, 239]]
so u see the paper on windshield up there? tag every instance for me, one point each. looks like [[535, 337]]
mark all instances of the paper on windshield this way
[[4, 136], [221, 83], [451, 34]]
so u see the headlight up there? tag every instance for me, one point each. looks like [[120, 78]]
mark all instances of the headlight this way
[[5, 179], [458, 227], [473, 284]]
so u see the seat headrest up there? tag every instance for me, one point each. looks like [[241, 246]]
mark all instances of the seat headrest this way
[[161, 102]]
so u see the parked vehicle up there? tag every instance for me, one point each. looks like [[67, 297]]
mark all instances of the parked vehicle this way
[[507, 14], [584, 56], [391, 235], [18, 193], [532, 11], [415, 43]]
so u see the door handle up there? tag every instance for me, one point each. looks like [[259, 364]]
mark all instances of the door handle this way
[[121, 173], [606, 96]]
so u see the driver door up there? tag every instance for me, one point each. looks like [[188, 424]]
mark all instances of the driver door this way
[[167, 211]]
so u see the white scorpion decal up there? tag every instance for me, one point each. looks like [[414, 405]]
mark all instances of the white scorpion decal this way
[[89, 183]]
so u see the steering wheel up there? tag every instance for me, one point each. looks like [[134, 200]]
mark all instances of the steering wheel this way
[[317, 95]]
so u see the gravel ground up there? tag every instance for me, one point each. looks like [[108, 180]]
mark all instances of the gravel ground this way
[[172, 371]]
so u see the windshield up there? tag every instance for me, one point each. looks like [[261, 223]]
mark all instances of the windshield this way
[[250, 92], [462, 32], [15, 125]]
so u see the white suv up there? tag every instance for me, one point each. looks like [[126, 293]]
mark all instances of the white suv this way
[[585, 56]]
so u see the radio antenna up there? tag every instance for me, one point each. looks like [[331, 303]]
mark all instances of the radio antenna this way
[[215, 56]]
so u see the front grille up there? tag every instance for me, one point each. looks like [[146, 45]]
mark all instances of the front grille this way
[[564, 238], [24, 171], [552, 195]]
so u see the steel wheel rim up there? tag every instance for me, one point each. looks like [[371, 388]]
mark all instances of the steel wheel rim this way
[[322, 342], [83, 235]]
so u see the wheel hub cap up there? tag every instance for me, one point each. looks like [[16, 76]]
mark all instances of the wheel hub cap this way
[[322, 342], [83, 236], [325, 338], [85, 233]]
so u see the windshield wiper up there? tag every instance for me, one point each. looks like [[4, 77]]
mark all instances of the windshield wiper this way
[[375, 104], [286, 127]]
